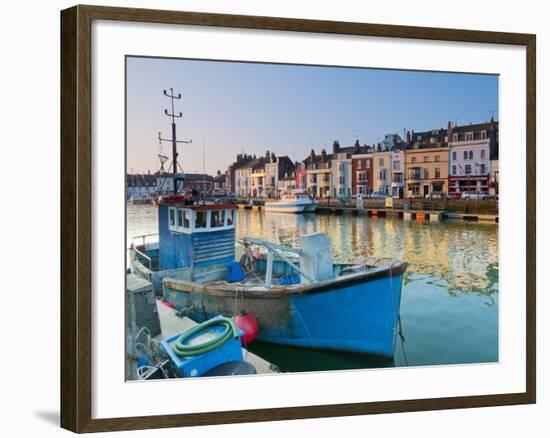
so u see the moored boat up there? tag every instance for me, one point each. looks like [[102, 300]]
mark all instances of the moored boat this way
[[295, 202], [298, 295]]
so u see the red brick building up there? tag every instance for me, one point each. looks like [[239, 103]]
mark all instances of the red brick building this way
[[362, 174]]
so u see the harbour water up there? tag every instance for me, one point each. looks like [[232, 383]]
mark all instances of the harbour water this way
[[449, 308]]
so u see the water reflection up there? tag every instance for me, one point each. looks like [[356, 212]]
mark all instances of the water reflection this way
[[449, 308], [460, 257]]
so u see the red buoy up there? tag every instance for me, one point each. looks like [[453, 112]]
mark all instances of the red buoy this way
[[249, 325]]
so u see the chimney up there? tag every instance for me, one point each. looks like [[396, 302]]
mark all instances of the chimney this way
[[273, 157], [312, 155], [335, 147], [408, 136], [449, 131], [323, 155], [219, 172]]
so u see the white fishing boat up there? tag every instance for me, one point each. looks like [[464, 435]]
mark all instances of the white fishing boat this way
[[295, 202]]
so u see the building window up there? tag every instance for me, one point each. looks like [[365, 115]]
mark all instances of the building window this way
[[465, 155], [396, 165], [437, 158], [426, 174], [380, 162], [454, 170], [482, 169], [471, 155], [413, 159], [454, 155], [483, 152], [455, 136], [367, 164], [437, 172], [469, 136], [418, 138], [359, 164], [483, 135], [426, 158], [468, 169]]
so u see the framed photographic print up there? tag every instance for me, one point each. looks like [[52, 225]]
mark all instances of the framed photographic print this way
[[270, 218]]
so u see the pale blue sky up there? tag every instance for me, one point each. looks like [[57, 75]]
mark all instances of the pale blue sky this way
[[249, 107]]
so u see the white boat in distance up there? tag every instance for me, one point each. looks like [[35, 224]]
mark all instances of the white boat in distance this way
[[295, 202]]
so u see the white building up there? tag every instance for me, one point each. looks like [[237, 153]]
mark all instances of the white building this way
[[472, 148], [341, 171], [243, 177], [140, 186], [397, 157]]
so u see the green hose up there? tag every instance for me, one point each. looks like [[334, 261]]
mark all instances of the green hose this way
[[230, 330]]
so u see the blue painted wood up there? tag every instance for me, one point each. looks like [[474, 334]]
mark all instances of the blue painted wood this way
[[357, 318], [197, 249]]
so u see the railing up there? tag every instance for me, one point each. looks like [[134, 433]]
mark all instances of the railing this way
[[143, 238], [272, 250], [137, 252]]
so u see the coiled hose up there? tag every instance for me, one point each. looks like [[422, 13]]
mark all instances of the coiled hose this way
[[230, 330]]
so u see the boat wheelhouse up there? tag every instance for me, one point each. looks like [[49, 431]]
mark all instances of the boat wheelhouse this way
[[191, 239]]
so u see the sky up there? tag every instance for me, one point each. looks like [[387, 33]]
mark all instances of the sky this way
[[232, 107]]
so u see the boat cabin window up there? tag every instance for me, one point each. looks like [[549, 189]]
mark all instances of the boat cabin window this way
[[217, 218], [187, 220], [172, 217], [230, 217], [201, 219]]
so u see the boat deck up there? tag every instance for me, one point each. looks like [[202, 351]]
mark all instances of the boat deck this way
[[171, 324]]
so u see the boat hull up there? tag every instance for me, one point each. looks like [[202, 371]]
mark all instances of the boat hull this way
[[285, 208], [359, 315]]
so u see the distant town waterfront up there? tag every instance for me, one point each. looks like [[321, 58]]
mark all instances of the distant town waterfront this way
[[449, 307]]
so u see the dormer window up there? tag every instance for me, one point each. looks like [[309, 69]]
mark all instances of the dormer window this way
[[483, 135], [469, 136], [455, 136]]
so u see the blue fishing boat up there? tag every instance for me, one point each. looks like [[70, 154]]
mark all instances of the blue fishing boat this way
[[298, 295]]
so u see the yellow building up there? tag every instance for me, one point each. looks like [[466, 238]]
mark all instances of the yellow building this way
[[426, 169]]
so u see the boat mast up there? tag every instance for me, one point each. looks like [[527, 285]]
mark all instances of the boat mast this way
[[174, 140]]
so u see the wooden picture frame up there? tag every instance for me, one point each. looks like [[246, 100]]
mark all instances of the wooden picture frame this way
[[76, 217]]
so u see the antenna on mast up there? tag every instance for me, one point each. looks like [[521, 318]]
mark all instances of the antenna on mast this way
[[173, 140]]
